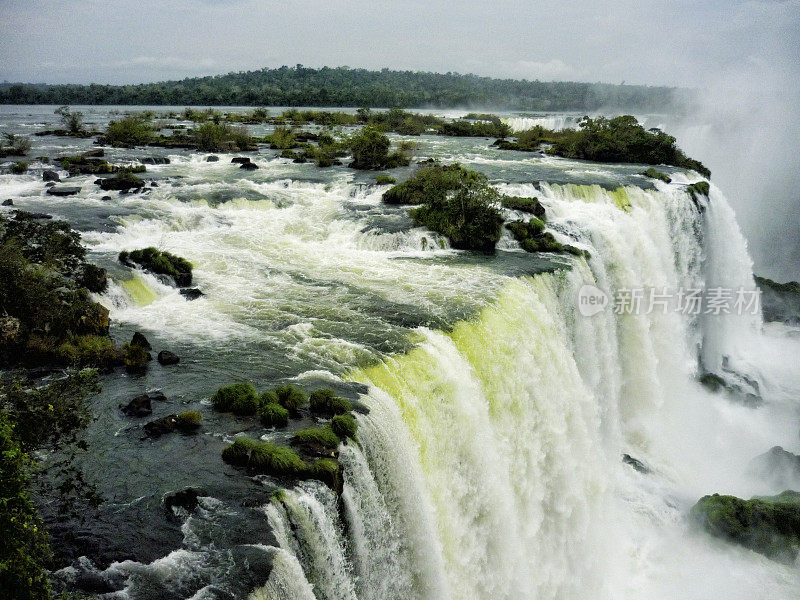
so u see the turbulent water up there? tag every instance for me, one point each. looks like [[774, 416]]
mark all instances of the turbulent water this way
[[489, 464]]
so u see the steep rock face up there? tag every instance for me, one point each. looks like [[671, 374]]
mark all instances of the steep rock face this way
[[780, 301], [777, 466], [769, 525]]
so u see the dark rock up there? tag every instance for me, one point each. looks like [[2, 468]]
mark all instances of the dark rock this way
[[140, 340], [165, 357], [212, 158], [155, 160], [161, 426], [96, 153], [248, 166], [153, 184], [712, 382], [779, 467], [780, 301], [123, 182], [64, 190], [105, 198], [8, 202], [636, 464], [49, 175], [191, 293], [182, 279], [49, 184], [140, 406], [185, 498], [24, 215], [94, 278], [157, 396], [240, 160]]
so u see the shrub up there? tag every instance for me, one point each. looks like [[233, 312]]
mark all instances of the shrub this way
[[133, 130], [655, 174], [15, 145], [239, 394], [264, 457], [273, 415], [72, 120], [526, 205], [533, 238], [326, 402], [282, 138], [345, 426], [385, 179], [467, 217], [19, 167], [317, 436], [189, 420], [221, 137], [134, 357], [90, 350], [290, 397], [163, 263], [370, 149], [432, 183]]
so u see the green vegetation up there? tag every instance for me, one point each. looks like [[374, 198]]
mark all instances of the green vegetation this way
[[526, 205], [221, 137], [88, 163], [382, 179], [317, 436], [273, 414], [264, 457], [655, 174], [432, 183], [44, 305], [19, 167], [290, 397], [133, 130], [767, 525], [14, 145], [326, 402], [239, 395], [532, 237], [701, 188], [123, 180], [160, 262], [370, 149], [283, 138], [189, 420], [135, 358], [341, 86], [344, 426], [72, 121], [89, 350]]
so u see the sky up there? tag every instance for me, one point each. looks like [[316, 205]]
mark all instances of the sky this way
[[744, 57]]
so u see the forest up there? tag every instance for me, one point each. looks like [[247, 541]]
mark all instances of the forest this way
[[343, 86]]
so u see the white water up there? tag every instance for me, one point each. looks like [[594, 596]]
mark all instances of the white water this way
[[553, 122], [489, 466]]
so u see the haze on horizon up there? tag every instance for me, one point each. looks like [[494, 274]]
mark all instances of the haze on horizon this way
[[744, 56]]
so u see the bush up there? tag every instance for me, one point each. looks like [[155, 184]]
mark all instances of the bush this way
[[14, 145], [273, 415], [189, 420], [432, 183], [163, 263], [241, 395], [264, 457], [526, 205], [317, 436], [290, 397], [133, 130], [370, 149], [326, 402], [72, 120], [90, 350], [134, 357], [533, 238], [282, 138], [221, 137], [385, 180], [19, 167], [345, 426]]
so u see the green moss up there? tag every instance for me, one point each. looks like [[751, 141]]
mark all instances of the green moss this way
[[317, 436], [134, 357], [701, 188], [385, 179], [655, 174], [526, 205], [767, 525], [19, 167], [344, 426], [189, 420], [89, 351], [273, 415], [328, 471], [533, 238], [161, 262], [264, 457], [290, 397], [239, 395], [326, 402]]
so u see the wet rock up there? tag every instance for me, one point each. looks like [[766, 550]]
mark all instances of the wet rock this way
[[161, 426], [49, 184], [182, 279], [191, 293], [64, 190], [248, 166], [777, 466], [8, 202], [185, 498], [140, 406], [105, 198], [96, 153], [153, 184], [49, 175], [636, 464], [155, 160], [139, 340], [212, 158], [165, 357], [240, 160], [24, 215]]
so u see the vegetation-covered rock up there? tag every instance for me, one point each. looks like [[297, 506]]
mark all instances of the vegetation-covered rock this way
[[656, 174], [322, 437], [189, 420], [133, 130], [382, 179], [526, 205], [19, 167], [701, 188], [238, 398], [160, 262], [767, 525], [14, 145], [264, 457], [326, 402], [290, 397], [124, 180], [273, 414], [532, 237], [135, 358], [370, 149], [344, 426], [432, 183]]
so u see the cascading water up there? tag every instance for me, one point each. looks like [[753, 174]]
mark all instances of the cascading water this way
[[492, 470]]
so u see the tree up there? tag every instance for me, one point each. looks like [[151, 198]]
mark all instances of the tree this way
[[72, 120]]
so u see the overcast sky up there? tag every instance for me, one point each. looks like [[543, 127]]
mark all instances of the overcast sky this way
[[672, 42]]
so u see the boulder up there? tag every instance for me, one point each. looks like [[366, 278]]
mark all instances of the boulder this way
[[50, 184], [139, 340], [124, 182], [155, 160], [49, 175], [96, 153], [248, 166], [165, 357], [105, 198], [153, 184], [240, 160], [140, 406], [161, 426], [212, 158], [8, 202], [191, 293], [185, 498], [182, 279], [64, 190], [24, 215]]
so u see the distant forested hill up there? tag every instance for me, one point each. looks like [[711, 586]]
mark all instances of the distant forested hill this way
[[342, 86]]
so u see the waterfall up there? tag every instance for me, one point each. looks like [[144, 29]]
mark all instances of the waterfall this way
[[553, 122], [489, 464]]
